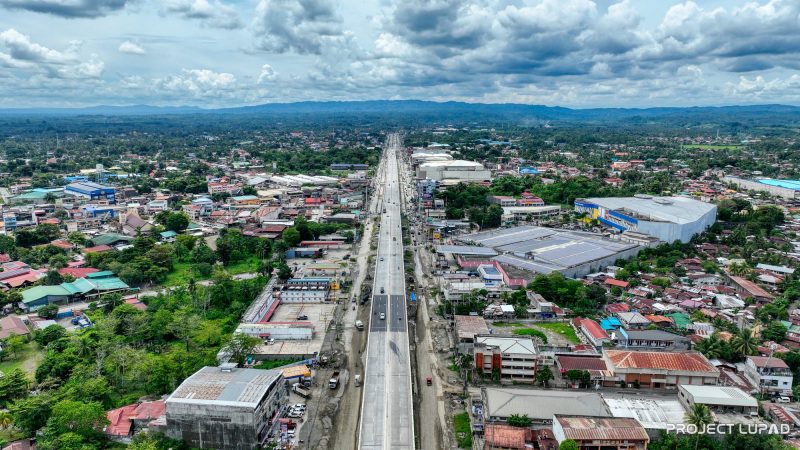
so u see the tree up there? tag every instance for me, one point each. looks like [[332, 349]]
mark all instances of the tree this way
[[13, 385], [744, 343], [6, 420], [177, 221], [31, 413], [53, 278], [700, 416], [284, 271], [544, 375], [48, 311], [15, 344], [519, 420], [240, 346], [568, 444], [84, 419], [291, 237], [49, 334], [774, 331]]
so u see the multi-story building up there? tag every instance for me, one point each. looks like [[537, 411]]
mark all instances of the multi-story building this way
[[770, 374], [306, 290], [513, 358], [227, 408]]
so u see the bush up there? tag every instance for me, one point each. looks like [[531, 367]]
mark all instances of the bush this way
[[48, 311], [204, 269]]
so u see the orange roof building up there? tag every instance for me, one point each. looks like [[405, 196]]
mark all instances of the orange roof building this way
[[663, 370]]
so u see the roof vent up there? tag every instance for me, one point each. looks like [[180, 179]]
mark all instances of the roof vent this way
[[663, 201], [227, 367]]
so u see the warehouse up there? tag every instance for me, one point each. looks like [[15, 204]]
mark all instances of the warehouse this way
[[540, 405], [718, 398], [787, 189], [544, 250], [457, 170], [91, 191], [666, 218]]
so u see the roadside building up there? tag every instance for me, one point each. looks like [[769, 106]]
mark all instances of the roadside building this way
[[594, 332], [91, 191], [659, 370], [601, 432], [540, 405], [227, 408], [770, 375], [467, 327], [725, 399], [651, 339], [512, 358]]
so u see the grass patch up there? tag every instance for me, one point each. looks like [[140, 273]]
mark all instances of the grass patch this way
[[274, 363], [28, 360], [463, 430], [244, 266], [562, 328], [181, 273], [531, 332]]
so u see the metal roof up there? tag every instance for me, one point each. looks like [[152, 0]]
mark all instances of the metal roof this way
[[602, 428], [686, 362], [661, 209], [465, 250], [237, 387], [720, 395], [543, 404]]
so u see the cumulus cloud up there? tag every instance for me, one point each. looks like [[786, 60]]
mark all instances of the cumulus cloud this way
[[68, 8], [267, 74], [213, 13], [17, 51], [198, 82], [131, 48], [300, 26]]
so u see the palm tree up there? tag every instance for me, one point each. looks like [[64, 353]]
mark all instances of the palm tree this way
[[744, 343], [6, 420], [739, 270], [711, 348], [700, 416]]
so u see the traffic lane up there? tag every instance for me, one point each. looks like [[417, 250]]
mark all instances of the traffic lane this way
[[398, 312], [373, 425], [379, 305]]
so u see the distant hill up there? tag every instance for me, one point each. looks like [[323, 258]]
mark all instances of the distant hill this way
[[779, 114]]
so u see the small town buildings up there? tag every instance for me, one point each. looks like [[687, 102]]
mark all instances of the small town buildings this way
[[227, 408], [650, 339], [659, 370], [601, 432], [512, 358], [770, 375], [726, 399]]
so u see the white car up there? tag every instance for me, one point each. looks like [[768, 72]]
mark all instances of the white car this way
[[383, 316]]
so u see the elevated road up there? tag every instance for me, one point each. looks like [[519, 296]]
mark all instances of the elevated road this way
[[387, 410]]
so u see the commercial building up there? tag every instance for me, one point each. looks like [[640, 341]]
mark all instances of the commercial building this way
[[725, 399], [467, 328], [651, 339], [601, 432], [770, 374], [454, 171], [788, 189], [540, 405], [530, 213], [305, 290], [594, 332], [227, 408], [659, 370], [512, 358], [544, 250], [666, 218], [91, 191]]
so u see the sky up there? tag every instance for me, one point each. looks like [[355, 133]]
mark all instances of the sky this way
[[573, 53]]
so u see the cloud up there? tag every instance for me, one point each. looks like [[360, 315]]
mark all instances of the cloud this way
[[68, 8], [131, 48], [199, 82], [211, 13], [267, 74], [299, 26], [17, 51]]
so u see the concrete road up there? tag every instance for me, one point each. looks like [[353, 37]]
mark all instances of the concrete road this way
[[387, 409]]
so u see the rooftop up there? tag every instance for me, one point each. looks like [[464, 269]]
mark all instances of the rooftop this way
[[469, 326], [237, 387], [687, 362], [661, 209], [720, 395], [542, 404], [601, 428]]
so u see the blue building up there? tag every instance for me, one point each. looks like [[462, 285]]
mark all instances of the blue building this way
[[91, 191]]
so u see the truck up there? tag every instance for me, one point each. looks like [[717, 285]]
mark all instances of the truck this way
[[333, 383], [301, 390], [359, 325], [357, 380]]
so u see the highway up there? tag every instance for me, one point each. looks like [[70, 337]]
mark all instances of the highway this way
[[387, 409]]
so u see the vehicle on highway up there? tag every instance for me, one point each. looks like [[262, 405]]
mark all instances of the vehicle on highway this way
[[382, 290], [359, 325], [381, 258], [333, 383], [783, 400], [429, 381], [383, 316]]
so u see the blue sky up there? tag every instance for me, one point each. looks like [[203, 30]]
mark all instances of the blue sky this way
[[575, 53]]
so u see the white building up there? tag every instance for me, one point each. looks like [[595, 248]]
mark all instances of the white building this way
[[456, 170], [513, 358], [666, 218], [770, 374], [718, 398]]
